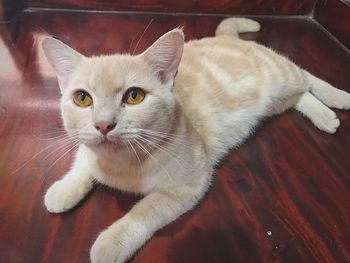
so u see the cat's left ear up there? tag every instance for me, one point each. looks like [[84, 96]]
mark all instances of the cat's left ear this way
[[165, 54], [62, 58]]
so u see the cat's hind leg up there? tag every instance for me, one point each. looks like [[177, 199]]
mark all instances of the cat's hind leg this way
[[320, 115], [329, 95]]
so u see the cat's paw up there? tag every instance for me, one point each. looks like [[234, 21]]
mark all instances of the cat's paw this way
[[63, 195], [118, 242], [107, 249], [326, 120], [338, 99]]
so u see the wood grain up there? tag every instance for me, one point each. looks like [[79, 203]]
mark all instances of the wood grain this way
[[261, 7], [334, 15], [283, 196]]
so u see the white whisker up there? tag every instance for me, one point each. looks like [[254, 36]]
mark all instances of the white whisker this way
[[138, 158], [171, 154], [163, 133], [38, 153], [59, 148], [170, 140], [68, 151], [143, 33], [152, 157]]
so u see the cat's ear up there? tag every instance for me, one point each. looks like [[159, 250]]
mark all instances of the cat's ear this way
[[62, 58], [165, 54]]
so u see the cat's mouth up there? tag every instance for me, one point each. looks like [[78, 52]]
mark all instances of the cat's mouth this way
[[108, 142], [104, 142]]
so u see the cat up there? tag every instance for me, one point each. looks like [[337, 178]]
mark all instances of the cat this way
[[157, 123]]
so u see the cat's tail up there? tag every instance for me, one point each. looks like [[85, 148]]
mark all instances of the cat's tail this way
[[234, 25]]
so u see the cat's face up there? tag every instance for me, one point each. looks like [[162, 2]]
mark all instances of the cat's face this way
[[109, 101]]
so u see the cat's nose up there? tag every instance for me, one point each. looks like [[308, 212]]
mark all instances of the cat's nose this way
[[104, 126]]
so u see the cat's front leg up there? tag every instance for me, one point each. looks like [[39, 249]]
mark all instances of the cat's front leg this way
[[123, 238], [69, 191]]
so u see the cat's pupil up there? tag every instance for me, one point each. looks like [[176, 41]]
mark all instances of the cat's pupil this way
[[82, 96], [133, 94]]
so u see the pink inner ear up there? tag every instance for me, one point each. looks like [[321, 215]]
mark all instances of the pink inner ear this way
[[165, 54], [62, 58]]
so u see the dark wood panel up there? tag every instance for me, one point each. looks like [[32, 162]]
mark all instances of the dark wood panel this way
[[9, 8], [334, 15], [262, 7], [283, 196], [1, 11]]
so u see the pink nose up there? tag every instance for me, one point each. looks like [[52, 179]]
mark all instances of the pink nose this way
[[104, 126]]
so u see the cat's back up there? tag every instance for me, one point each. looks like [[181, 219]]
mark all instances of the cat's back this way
[[225, 85], [218, 82], [220, 72]]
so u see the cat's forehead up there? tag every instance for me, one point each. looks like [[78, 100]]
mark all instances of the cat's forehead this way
[[114, 72]]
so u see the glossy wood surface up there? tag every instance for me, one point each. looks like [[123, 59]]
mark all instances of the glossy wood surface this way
[[9, 8], [334, 15], [283, 196], [252, 7]]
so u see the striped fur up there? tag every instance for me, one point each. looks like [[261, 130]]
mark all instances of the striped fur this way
[[224, 86]]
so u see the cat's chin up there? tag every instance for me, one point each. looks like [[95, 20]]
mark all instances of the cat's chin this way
[[104, 145]]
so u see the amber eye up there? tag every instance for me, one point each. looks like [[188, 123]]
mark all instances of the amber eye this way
[[134, 96], [82, 99]]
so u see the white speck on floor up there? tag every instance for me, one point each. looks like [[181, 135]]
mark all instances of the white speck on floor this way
[[269, 233]]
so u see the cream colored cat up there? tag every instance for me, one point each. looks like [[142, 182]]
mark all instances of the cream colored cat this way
[[158, 122]]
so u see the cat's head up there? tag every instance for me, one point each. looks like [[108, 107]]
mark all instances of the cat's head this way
[[110, 100]]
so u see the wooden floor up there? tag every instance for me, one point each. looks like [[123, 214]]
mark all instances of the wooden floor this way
[[283, 196]]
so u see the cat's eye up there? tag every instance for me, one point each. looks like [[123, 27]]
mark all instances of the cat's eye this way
[[82, 98], [134, 96]]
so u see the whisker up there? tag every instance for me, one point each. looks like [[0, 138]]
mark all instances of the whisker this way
[[59, 148], [38, 153], [43, 126], [57, 134], [163, 133], [143, 33], [152, 157], [171, 154], [170, 140], [127, 147], [70, 149], [132, 42], [51, 138], [138, 158]]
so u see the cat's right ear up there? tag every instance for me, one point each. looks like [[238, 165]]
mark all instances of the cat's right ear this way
[[165, 54], [62, 58]]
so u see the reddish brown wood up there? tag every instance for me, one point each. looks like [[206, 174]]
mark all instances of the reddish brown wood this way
[[334, 15], [289, 178], [261, 7]]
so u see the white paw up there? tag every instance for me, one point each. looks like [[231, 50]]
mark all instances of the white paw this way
[[108, 248], [327, 120], [339, 99], [331, 126], [63, 195], [118, 242]]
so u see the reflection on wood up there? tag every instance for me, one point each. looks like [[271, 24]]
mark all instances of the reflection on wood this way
[[334, 15], [261, 7]]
